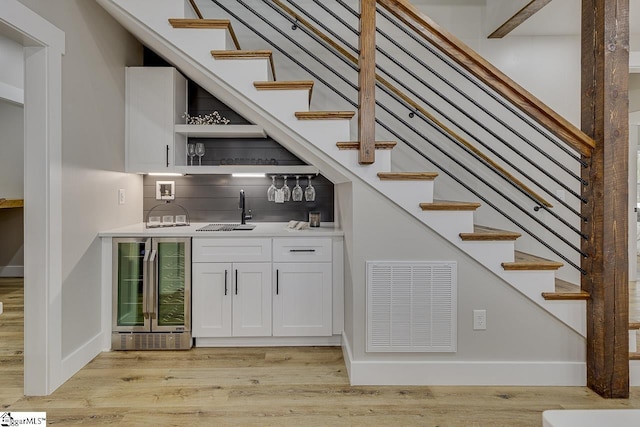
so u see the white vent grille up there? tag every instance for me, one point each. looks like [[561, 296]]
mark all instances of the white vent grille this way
[[411, 306]]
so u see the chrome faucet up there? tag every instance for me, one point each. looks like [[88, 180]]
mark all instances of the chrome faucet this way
[[243, 215]]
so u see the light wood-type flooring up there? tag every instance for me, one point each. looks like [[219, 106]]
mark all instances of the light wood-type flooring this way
[[259, 387]]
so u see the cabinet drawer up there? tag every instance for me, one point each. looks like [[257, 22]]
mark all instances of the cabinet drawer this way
[[302, 250], [231, 250]]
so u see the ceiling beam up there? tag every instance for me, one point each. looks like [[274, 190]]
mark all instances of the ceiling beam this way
[[518, 18]]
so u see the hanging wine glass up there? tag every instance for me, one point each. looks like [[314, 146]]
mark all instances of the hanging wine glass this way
[[271, 191], [286, 190], [296, 193], [309, 192], [200, 152], [191, 151]]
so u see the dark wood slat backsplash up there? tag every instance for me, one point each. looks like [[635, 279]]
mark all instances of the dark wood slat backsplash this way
[[212, 198]]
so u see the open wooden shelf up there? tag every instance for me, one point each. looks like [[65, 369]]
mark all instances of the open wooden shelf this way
[[266, 169], [221, 131], [11, 203]]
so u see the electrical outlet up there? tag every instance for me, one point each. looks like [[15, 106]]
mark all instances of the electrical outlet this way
[[121, 196], [479, 320]]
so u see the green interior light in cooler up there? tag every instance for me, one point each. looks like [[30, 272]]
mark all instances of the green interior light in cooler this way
[[171, 283], [130, 284]]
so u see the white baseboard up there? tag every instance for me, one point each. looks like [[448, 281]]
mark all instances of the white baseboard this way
[[268, 341], [468, 373], [79, 358], [12, 271]]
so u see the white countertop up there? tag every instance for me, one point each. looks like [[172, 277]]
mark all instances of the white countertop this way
[[263, 229]]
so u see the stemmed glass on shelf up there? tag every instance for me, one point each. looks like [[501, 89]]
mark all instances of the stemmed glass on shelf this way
[[271, 191], [199, 152], [191, 151], [286, 190], [309, 192], [296, 193]]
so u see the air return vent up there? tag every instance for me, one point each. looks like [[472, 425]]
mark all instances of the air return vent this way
[[411, 306]]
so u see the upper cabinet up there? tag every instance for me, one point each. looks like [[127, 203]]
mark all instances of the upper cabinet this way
[[157, 136], [155, 102]]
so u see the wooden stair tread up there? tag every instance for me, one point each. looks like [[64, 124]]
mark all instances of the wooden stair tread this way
[[524, 261], [324, 115], [566, 291], [355, 145], [407, 176], [483, 233], [634, 325], [286, 85], [241, 54], [246, 54], [447, 205], [212, 24], [11, 203], [634, 356]]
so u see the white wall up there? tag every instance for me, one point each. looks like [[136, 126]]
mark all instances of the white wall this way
[[11, 70], [517, 331], [11, 150], [97, 51]]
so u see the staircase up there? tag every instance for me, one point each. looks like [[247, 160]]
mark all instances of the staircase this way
[[210, 50]]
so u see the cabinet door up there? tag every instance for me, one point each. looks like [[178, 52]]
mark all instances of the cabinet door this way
[[252, 299], [151, 98], [212, 295], [302, 302]]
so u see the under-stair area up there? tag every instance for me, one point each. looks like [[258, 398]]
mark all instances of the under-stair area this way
[[209, 52]]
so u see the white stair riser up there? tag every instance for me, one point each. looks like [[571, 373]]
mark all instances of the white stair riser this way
[[448, 224], [192, 42], [282, 104], [241, 73], [324, 133], [405, 193], [633, 344], [634, 373], [570, 312], [531, 282], [489, 253]]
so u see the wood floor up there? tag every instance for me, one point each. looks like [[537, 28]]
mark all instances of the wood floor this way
[[260, 387]]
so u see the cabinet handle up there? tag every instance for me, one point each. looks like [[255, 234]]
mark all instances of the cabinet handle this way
[[277, 282], [225, 282], [236, 282], [302, 250], [167, 155]]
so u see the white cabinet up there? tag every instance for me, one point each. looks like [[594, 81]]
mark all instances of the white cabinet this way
[[302, 301], [302, 304], [231, 298], [155, 101], [211, 299], [252, 300], [258, 287]]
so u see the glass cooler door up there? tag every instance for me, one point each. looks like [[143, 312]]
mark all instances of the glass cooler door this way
[[131, 257], [172, 271]]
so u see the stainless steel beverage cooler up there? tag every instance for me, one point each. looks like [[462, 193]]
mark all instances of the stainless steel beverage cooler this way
[[151, 294]]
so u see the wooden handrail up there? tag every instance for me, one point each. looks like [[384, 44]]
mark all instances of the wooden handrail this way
[[196, 9], [489, 75], [415, 106]]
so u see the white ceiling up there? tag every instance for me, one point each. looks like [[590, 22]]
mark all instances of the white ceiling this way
[[562, 17]]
